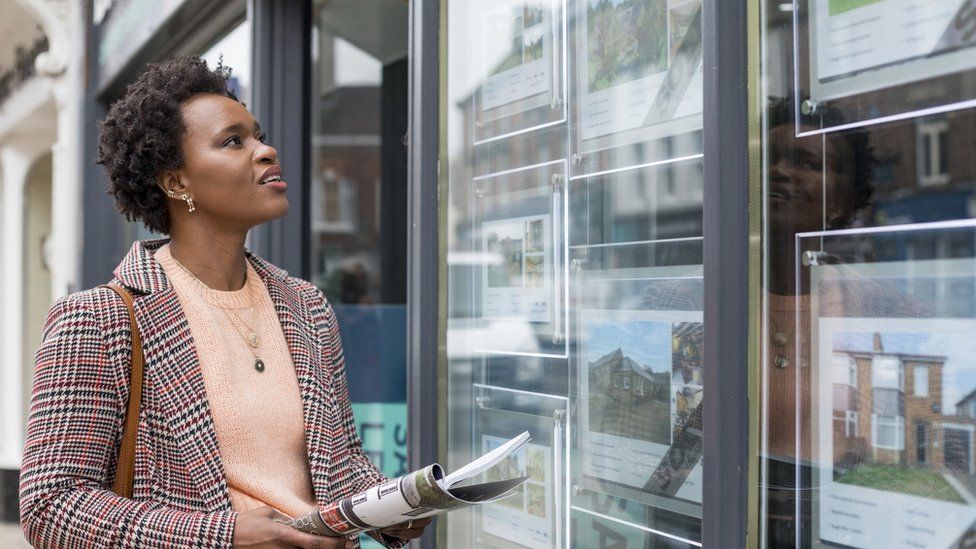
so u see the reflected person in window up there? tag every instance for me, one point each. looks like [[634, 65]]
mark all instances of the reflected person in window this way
[[245, 415], [813, 184]]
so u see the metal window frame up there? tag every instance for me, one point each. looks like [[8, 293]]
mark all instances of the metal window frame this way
[[280, 96], [424, 333], [730, 492]]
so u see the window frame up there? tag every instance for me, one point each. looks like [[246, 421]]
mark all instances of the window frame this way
[[931, 137]]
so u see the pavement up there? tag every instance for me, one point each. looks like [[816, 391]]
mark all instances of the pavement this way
[[11, 537]]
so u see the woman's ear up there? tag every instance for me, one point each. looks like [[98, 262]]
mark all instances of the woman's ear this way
[[170, 184]]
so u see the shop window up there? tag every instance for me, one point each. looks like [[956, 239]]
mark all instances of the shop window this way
[[932, 146], [234, 50], [358, 206]]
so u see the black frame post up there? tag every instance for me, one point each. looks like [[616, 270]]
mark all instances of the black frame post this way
[[282, 64], [423, 253], [727, 274]]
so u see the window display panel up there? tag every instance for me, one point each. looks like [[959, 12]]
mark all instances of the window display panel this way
[[892, 374], [518, 232], [560, 255], [851, 193], [873, 59], [637, 77], [534, 515], [521, 45], [591, 529], [637, 394]]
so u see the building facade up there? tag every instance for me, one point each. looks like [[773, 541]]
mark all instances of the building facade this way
[[41, 70], [717, 257]]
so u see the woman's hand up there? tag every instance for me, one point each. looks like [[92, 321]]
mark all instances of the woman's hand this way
[[407, 530], [259, 529]]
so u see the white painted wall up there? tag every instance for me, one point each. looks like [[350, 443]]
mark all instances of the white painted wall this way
[[42, 116]]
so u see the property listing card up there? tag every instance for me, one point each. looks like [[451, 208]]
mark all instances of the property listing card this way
[[640, 385], [854, 35], [525, 517]]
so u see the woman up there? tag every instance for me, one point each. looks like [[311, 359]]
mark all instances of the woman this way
[[245, 415]]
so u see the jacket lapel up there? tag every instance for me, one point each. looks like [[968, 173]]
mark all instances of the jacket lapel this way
[[317, 398], [173, 370], [182, 395]]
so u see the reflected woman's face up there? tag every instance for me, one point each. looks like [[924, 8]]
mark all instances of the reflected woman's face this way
[[800, 177], [225, 160]]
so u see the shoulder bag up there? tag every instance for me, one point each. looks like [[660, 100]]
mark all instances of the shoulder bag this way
[[125, 469]]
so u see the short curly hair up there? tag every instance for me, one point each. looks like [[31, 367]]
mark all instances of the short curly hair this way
[[141, 134]]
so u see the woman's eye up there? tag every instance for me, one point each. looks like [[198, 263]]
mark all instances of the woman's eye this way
[[263, 137], [233, 140]]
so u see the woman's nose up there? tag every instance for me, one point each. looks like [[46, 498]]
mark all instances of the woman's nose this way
[[780, 170], [267, 153]]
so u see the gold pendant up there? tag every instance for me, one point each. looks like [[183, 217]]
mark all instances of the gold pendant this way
[[252, 340]]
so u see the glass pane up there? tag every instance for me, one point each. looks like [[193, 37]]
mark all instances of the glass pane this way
[[574, 251], [234, 51], [868, 257], [358, 208]]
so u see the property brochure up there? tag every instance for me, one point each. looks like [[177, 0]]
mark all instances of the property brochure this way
[[895, 433], [525, 518], [892, 394], [518, 279], [423, 493], [639, 66], [516, 42], [641, 374], [858, 46], [855, 35]]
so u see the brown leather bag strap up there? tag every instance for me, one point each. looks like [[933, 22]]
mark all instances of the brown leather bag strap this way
[[125, 470]]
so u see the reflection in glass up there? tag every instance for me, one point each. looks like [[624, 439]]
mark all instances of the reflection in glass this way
[[357, 208], [574, 246], [861, 390], [234, 50]]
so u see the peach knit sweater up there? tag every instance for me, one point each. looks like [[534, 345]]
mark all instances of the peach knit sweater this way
[[257, 415]]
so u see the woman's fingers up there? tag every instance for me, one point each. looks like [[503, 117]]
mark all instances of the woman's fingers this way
[[296, 538], [271, 513], [408, 530], [261, 528]]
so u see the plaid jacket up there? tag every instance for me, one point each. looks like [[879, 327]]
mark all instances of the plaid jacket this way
[[180, 496]]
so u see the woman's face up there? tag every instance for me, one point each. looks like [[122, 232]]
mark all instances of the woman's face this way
[[802, 171], [227, 164]]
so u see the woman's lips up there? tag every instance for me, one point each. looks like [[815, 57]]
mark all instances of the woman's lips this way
[[280, 185]]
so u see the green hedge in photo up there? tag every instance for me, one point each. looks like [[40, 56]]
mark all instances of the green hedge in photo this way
[[905, 480], [840, 6]]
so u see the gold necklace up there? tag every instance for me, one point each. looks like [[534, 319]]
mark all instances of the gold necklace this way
[[251, 339]]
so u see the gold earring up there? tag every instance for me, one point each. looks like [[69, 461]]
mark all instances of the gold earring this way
[[189, 202], [171, 192]]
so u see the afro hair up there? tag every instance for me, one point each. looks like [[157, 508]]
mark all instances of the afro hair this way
[[142, 133]]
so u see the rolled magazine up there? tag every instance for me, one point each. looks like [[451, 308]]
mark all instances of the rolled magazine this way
[[423, 493]]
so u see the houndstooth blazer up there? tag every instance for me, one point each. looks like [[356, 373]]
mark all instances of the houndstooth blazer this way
[[180, 496]]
